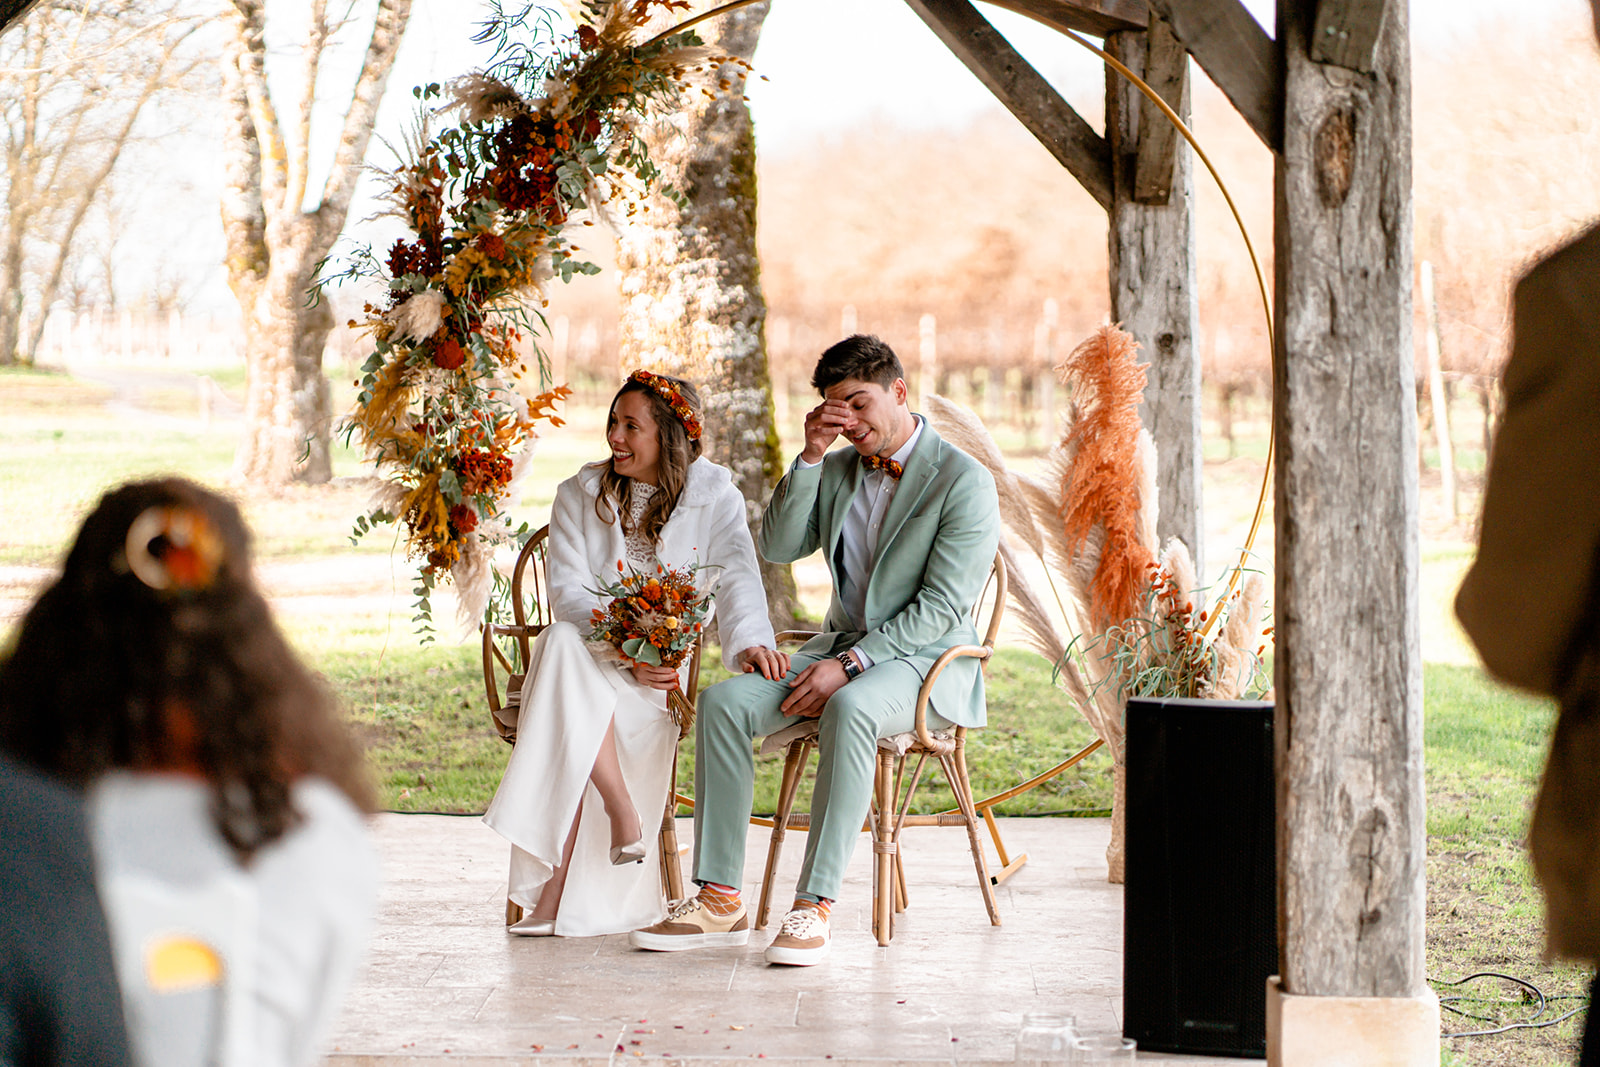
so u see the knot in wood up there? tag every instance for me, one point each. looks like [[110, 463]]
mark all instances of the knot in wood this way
[[1166, 342], [1333, 154]]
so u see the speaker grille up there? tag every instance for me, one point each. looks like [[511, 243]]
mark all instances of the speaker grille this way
[[1200, 924]]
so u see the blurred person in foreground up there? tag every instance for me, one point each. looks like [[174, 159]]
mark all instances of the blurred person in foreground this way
[[1531, 602], [58, 995], [224, 797]]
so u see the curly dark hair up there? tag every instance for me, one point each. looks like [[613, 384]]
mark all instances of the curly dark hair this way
[[678, 451], [108, 672]]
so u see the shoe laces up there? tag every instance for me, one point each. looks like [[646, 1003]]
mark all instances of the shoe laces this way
[[684, 907], [803, 924]]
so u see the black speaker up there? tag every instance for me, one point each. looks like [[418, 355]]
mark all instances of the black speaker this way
[[1200, 927]]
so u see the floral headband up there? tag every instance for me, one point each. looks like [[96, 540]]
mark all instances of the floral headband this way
[[668, 392], [173, 548]]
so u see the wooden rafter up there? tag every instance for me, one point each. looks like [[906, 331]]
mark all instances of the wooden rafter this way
[[1233, 49], [1096, 17], [1166, 69], [1346, 32], [11, 10], [1023, 91]]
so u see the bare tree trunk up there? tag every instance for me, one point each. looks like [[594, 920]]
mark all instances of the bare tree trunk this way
[[274, 244], [691, 282]]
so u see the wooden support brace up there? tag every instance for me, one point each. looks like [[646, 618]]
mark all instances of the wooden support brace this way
[[1166, 69], [1346, 33], [1094, 17], [1233, 49], [1023, 91]]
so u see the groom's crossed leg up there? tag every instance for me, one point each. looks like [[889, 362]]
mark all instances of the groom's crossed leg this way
[[879, 703]]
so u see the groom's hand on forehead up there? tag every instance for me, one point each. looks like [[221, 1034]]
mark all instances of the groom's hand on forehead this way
[[825, 422]]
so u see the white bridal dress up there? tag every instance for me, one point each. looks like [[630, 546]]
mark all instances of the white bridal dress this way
[[571, 693]]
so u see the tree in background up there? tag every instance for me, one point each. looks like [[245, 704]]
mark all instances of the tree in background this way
[[74, 81], [690, 279], [275, 241]]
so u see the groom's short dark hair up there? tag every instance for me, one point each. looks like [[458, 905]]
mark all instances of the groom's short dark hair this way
[[861, 356]]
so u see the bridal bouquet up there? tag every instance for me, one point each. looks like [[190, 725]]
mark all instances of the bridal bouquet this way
[[655, 618]]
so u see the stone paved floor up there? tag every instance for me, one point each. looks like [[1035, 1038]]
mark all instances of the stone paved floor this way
[[446, 985]]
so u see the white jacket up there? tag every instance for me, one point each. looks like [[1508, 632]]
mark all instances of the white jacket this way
[[708, 526]]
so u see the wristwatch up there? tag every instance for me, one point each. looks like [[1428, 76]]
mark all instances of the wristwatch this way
[[848, 662]]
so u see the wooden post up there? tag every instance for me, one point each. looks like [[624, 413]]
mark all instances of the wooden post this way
[[1441, 401], [1152, 273], [1349, 679]]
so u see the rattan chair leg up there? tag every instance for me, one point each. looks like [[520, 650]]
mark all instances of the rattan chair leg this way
[[671, 864], [955, 769], [513, 912], [884, 849], [794, 766]]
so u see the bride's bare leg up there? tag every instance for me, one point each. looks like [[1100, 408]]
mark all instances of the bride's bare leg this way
[[607, 779], [550, 896]]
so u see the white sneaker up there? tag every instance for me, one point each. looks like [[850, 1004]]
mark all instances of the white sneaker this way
[[692, 925], [802, 939]]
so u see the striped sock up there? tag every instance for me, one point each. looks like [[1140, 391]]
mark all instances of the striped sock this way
[[823, 907], [719, 899]]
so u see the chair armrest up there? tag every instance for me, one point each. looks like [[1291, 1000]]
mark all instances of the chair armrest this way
[[796, 635], [981, 652]]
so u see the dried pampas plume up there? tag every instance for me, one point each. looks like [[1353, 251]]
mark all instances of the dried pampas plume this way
[[480, 98], [420, 317], [966, 431], [1106, 485]]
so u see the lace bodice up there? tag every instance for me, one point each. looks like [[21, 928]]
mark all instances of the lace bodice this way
[[641, 550]]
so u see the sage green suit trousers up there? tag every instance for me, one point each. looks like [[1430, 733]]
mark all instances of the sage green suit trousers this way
[[880, 703]]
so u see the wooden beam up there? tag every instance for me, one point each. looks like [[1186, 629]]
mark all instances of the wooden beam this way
[[1346, 32], [1352, 821], [1151, 270], [1236, 53], [1166, 70], [1023, 91], [11, 10], [1094, 17]]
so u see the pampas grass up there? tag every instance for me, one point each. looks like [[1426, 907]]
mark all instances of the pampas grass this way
[[1106, 485], [1123, 623]]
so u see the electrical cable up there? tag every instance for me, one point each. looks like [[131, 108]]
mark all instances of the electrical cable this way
[[1531, 1023]]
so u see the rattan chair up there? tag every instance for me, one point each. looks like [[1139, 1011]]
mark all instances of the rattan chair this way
[[506, 648], [890, 810]]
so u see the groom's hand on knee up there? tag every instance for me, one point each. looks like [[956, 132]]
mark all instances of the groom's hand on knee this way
[[811, 688]]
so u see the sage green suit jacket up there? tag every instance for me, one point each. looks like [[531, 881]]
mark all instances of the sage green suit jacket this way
[[934, 555]]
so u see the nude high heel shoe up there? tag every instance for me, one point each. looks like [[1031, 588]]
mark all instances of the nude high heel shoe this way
[[630, 853], [531, 927]]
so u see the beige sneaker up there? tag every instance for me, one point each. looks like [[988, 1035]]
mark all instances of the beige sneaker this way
[[693, 925], [802, 939]]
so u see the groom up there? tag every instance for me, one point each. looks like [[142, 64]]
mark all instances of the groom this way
[[910, 525]]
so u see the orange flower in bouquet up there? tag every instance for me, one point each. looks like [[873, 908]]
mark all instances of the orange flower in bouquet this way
[[655, 618]]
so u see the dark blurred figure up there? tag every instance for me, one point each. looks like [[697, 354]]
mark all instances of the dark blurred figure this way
[[224, 796], [58, 994], [1531, 602]]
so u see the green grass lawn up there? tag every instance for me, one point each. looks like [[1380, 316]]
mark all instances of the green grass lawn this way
[[423, 716]]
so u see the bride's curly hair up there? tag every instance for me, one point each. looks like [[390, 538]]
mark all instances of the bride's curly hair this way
[[678, 451], [155, 650]]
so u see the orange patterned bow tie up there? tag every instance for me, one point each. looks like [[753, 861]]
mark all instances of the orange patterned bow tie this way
[[892, 467]]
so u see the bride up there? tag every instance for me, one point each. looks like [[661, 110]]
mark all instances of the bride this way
[[587, 779]]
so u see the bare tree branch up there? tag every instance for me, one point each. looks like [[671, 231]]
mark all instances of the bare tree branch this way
[[341, 184], [250, 27], [299, 147]]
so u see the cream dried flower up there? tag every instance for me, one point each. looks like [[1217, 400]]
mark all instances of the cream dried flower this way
[[480, 97], [420, 316]]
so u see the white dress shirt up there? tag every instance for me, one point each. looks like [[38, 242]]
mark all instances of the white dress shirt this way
[[858, 539]]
